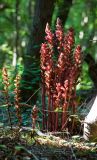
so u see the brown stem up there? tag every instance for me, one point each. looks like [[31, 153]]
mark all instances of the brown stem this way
[[56, 121], [9, 115], [64, 115], [53, 114], [44, 121], [49, 109]]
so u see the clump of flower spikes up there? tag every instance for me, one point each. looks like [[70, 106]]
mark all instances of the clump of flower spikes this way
[[17, 99], [59, 77], [6, 92]]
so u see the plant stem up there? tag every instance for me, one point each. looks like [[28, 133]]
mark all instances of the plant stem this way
[[9, 116], [44, 121]]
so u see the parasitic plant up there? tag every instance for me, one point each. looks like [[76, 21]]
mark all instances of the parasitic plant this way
[[6, 92], [59, 76], [17, 99], [34, 116]]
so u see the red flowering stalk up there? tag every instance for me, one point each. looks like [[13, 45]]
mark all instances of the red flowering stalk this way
[[59, 33], [46, 67], [49, 74], [77, 71], [34, 116], [6, 90], [47, 70], [17, 99], [43, 52]]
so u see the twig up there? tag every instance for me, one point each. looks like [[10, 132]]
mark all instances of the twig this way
[[33, 95]]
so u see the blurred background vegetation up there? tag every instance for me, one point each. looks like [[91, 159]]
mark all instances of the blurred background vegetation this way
[[22, 30]]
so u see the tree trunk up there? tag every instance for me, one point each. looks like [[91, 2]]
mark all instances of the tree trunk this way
[[30, 81], [63, 8], [90, 123], [92, 69]]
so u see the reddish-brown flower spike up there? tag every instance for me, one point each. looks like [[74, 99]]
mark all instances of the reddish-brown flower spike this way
[[69, 41], [44, 55], [34, 116], [5, 78], [65, 89], [77, 55], [71, 36], [17, 99], [61, 61], [6, 90], [66, 83], [57, 94], [49, 36], [59, 30]]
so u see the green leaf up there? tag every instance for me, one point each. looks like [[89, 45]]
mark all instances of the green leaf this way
[[2, 146], [18, 148], [58, 109]]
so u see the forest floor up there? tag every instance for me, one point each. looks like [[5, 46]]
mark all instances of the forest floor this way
[[20, 144], [24, 145]]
